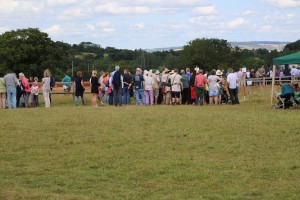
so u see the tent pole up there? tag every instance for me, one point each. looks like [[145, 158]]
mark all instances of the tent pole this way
[[273, 83]]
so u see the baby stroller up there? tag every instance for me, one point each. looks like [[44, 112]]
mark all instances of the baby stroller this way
[[286, 98], [225, 95]]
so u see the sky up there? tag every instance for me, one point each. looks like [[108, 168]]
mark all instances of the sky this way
[[147, 24]]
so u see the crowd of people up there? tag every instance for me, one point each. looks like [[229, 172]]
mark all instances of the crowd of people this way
[[152, 87], [22, 92], [169, 87]]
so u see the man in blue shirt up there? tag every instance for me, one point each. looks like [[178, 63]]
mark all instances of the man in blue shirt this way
[[138, 81]]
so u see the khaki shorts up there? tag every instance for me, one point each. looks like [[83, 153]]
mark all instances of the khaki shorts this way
[[156, 92], [242, 82]]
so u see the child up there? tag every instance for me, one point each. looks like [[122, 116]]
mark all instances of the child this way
[[35, 93]]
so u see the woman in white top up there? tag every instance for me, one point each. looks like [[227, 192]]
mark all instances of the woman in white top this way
[[149, 86], [46, 87]]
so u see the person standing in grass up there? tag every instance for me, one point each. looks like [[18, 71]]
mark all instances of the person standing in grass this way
[[149, 85], [232, 81], [11, 82], [185, 93], [127, 79], [176, 85], [192, 88], [46, 87], [213, 80], [200, 82], [2, 94], [166, 89], [138, 81], [156, 79], [116, 81], [27, 89], [79, 88], [221, 86], [94, 88]]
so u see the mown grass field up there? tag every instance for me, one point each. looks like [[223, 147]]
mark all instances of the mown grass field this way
[[245, 151]]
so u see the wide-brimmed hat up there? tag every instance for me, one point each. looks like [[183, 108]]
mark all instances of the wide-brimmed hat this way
[[172, 72], [219, 73], [146, 72], [157, 72], [166, 70]]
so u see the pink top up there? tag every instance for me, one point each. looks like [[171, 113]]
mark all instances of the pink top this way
[[25, 83], [200, 80]]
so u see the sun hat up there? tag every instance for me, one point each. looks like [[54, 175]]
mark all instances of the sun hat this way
[[172, 72], [166, 70], [219, 73], [157, 72], [146, 72]]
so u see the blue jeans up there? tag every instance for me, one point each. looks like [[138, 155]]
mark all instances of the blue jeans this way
[[76, 100], [140, 93], [197, 100], [126, 96], [11, 97]]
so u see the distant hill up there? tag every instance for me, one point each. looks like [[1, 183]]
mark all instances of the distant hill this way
[[269, 45]]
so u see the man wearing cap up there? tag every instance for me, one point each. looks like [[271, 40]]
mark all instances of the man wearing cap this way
[[156, 80], [138, 81], [166, 89], [10, 81]]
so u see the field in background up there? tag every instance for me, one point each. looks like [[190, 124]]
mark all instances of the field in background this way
[[245, 151]]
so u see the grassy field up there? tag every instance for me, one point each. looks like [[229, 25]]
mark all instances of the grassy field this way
[[245, 151]]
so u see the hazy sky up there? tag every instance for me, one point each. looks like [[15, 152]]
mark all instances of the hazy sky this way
[[134, 24]]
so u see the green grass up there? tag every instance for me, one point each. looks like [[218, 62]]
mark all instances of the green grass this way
[[246, 151]]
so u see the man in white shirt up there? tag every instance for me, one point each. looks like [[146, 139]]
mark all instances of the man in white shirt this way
[[232, 80], [294, 73], [176, 87]]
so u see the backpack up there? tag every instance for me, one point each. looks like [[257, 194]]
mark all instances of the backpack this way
[[117, 79], [52, 82]]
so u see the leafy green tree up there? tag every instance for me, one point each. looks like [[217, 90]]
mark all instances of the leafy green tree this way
[[31, 51], [294, 46], [206, 53]]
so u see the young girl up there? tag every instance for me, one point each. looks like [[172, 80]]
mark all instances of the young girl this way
[[34, 94], [94, 88]]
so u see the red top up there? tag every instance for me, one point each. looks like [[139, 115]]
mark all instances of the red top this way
[[200, 80], [25, 83]]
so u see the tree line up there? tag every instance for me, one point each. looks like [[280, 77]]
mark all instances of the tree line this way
[[31, 51]]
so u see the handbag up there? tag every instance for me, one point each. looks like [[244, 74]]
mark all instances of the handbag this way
[[163, 90], [108, 90]]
